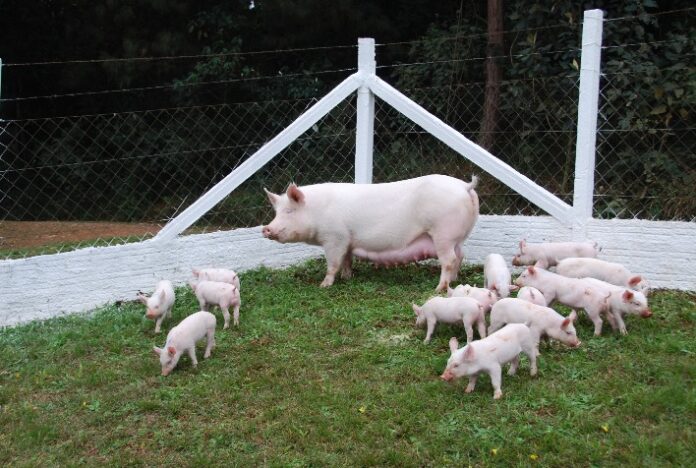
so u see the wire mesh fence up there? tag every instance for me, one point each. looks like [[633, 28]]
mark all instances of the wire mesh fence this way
[[107, 178]]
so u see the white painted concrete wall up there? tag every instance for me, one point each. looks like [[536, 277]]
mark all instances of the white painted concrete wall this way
[[77, 282]]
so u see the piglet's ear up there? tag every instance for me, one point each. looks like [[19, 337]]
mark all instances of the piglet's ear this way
[[142, 298], [469, 354], [157, 350], [450, 291], [523, 244], [634, 280], [565, 323], [453, 344], [531, 270], [514, 287], [295, 194], [627, 296], [493, 287], [272, 197], [416, 309], [171, 350]]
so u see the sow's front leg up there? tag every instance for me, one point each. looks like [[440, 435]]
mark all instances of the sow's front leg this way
[[335, 252]]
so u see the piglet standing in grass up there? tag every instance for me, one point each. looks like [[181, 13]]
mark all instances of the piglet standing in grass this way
[[484, 296], [533, 295], [496, 275], [463, 310], [160, 304], [183, 338], [542, 321], [488, 355], [613, 273], [619, 302], [548, 254], [222, 275], [223, 295]]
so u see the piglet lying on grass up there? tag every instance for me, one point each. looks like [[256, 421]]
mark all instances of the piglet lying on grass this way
[[463, 310], [183, 338], [542, 321], [489, 354], [548, 254], [484, 296], [613, 273], [222, 275], [223, 295], [160, 304], [496, 275]]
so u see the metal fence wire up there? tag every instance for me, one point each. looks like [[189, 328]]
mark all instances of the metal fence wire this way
[[88, 180]]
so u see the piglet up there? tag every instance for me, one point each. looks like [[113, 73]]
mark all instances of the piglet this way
[[542, 321], [619, 302], [220, 294], [222, 275], [160, 304], [496, 275], [575, 293], [613, 273], [548, 254], [533, 295], [490, 354], [451, 310], [183, 338], [486, 297]]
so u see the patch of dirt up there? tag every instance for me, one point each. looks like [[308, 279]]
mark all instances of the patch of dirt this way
[[26, 234]]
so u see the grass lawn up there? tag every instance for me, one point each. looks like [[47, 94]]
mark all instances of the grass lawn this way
[[340, 376]]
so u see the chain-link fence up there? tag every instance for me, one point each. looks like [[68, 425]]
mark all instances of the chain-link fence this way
[[109, 178]]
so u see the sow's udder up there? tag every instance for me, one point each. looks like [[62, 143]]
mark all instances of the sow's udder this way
[[419, 249]]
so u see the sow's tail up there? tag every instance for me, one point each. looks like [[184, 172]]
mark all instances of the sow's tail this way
[[473, 183]]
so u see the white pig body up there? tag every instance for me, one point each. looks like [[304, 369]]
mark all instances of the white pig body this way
[[223, 275], [159, 304], [573, 292], [541, 320], [484, 296], [533, 295], [548, 254], [496, 275], [613, 273], [223, 295], [390, 223], [183, 338], [464, 310], [620, 301], [488, 355]]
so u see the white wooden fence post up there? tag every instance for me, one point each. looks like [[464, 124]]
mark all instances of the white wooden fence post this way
[[588, 107], [365, 125]]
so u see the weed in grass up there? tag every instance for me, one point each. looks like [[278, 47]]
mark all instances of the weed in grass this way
[[340, 376]]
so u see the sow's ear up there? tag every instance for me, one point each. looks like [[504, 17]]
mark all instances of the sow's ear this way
[[295, 194], [272, 197]]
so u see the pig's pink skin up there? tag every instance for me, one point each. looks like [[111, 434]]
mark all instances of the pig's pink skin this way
[[613, 273], [575, 293], [453, 310], [183, 338], [391, 223], [222, 275], [488, 355], [532, 295], [548, 254], [160, 304], [541, 320], [620, 301], [223, 295], [496, 275], [484, 296]]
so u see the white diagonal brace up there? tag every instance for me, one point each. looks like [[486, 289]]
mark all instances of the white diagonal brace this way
[[473, 152], [256, 161]]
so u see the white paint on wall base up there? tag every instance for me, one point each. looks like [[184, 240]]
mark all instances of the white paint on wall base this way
[[79, 281]]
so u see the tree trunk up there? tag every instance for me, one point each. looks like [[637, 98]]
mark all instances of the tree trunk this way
[[493, 73]]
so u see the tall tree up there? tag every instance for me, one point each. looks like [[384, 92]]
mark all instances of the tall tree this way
[[493, 72]]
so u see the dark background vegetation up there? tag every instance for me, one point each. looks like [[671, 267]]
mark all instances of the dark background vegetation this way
[[159, 132]]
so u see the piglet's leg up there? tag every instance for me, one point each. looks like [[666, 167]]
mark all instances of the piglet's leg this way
[[513, 365], [472, 383], [226, 313], [211, 342], [496, 378], [159, 322], [235, 311], [431, 327], [192, 355]]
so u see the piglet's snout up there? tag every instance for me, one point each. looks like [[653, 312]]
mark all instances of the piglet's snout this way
[[446, 376], [646, 313]]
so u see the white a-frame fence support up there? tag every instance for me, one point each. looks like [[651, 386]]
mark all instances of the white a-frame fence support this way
[[369, 85], [583, 191]]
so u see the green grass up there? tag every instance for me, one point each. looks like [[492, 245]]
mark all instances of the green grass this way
[[340, 376]]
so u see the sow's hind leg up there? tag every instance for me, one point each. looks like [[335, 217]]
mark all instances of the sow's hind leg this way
[[450, 260]]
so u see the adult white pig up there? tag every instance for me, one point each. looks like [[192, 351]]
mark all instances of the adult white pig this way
[[392, 223]]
